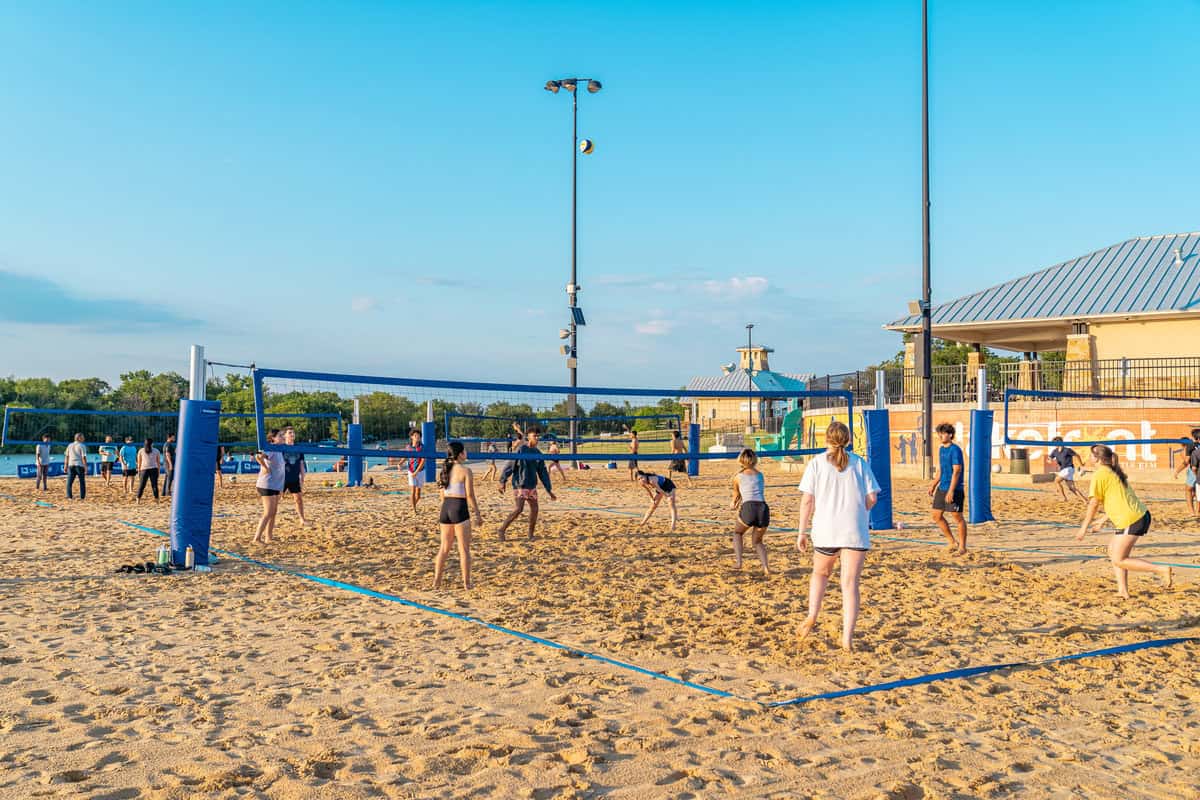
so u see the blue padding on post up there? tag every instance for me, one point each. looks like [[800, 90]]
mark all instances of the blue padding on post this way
[[879, 459], [693, 463], [192, 500], [979, 483], [354, 464], [429, 450]]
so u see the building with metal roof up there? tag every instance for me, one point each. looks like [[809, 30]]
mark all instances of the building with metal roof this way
[[1138, 298], [732, 413]]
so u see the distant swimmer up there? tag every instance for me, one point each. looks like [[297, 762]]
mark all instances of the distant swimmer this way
[[754, 515], [1111, 490], [458, 507], [659, 488]]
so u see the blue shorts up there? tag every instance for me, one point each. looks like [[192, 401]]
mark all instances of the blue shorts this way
[[1191, 477]]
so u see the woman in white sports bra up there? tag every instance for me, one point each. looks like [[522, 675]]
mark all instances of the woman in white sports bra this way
[[454, 522]]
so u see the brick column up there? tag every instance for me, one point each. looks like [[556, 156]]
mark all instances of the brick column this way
[[912, 381], [971, 381], [1079, 371]]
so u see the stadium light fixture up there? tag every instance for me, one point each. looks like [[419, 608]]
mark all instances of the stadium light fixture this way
[[577, 147]]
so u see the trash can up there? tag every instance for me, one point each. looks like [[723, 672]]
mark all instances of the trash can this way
[[1018, 462]]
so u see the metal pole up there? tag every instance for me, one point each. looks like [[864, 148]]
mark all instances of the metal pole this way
[[574, 357], [196, 365], [982, 385], [880, 389], [749, 380], [926, 293]]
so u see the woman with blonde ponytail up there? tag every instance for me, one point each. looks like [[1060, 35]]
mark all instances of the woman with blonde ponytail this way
[[458, 488], [838, 490], [1110, 487]]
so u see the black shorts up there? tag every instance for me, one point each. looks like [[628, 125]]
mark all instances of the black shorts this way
[[295, 487], [755, 514], [106, 468], [268, 492], [633, 463], [833, 551], [1139, 528], [678, 466], [667, 487], [952, 504], [454, 511]]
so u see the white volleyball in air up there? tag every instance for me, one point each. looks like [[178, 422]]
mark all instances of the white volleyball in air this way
[[586, 146]]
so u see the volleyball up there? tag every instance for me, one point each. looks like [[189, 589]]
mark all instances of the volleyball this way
[[586, 146]]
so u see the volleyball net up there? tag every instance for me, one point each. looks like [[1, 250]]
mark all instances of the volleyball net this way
[[591, 424], [1035, 417], [27, 426]]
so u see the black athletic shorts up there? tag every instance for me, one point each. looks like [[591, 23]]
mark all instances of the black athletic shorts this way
[[295, 487], [952, 504], [667, 487], [454, 511], [106, 468], [678, 466], [755, 514], [833, 551], [268, 492], [1139, 528], [633, 463]]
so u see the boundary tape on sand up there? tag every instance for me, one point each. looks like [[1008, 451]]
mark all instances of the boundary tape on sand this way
[[392, 598], [967, 672]]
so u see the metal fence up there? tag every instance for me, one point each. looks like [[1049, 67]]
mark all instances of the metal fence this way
[[1132, 377]]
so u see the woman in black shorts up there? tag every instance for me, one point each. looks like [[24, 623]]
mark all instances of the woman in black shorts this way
[[754, 514], [454, 522], [657, 487]]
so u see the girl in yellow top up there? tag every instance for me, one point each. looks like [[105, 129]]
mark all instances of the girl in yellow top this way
[[1110, 487]]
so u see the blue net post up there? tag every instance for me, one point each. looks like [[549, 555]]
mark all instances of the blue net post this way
[[192, 500], [879, 459], [354, 464], [429, 450], [979, 483], [693, 464]]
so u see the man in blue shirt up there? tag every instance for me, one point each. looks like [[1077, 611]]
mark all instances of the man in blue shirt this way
[[947, 489], [128, 456], [525, 476]]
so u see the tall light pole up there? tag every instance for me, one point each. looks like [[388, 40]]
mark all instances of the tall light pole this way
[[577, 147], [926, 294], [749, 378]]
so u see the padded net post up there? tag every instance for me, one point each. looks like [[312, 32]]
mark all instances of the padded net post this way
[[693, 463], [979, 484], [192, 500], [354, 464], [429, 450], [879, 459]]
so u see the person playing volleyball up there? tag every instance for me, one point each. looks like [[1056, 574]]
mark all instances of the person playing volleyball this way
[[679, 448], [1111, 489], [838, 491], [525, 476], [416, 469], [553, 449], [657, 487], [454, 522], [947, 489], [1064, 457], [1190, 463], [754, 514]]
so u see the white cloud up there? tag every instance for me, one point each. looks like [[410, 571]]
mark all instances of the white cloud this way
[[654, 327], [750, 286], [362, 304]]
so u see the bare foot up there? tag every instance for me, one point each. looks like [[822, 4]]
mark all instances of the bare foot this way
[[806, 627], [1123, 595], [848, 646], [1169, 579], [962, 551]]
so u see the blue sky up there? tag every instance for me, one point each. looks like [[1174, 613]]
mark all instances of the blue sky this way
[[384, 187]]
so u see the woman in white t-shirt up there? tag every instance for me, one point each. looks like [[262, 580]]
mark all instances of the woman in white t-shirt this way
[[838, 491], [149, 461]]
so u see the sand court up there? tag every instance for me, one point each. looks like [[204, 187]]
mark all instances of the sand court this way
[[249, 681]]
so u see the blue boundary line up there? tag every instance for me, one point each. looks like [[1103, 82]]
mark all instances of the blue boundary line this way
[[966, 672], [350, 587]]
